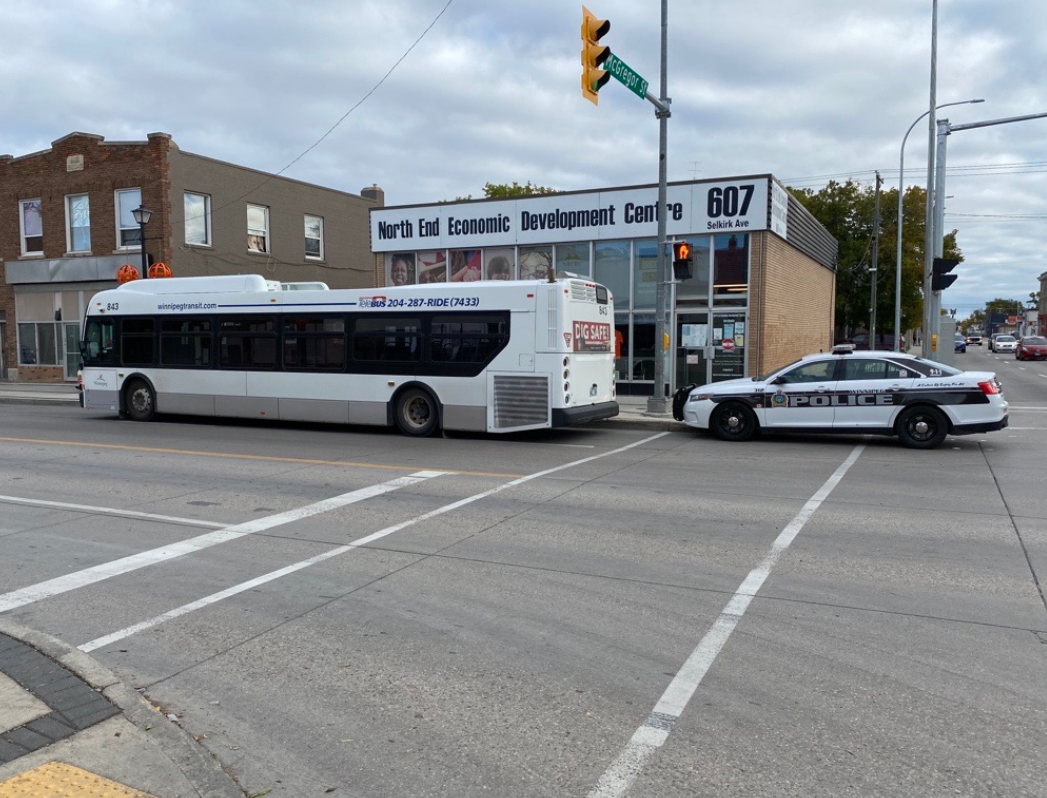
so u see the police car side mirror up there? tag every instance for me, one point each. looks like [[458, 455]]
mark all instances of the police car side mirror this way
[[779, 380]]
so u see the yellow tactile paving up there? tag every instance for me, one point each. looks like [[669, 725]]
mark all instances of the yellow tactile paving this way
[[59, 780]]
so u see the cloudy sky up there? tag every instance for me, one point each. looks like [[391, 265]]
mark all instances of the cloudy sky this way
[[808, 90]]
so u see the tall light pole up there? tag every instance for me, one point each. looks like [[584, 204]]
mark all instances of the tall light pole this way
[[928, 233], [901, 198], [142, 215]]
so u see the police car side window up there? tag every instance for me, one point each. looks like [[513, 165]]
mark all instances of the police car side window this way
[[810, 372], [864, 369]]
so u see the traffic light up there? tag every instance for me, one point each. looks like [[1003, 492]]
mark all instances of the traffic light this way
[[683, 255], [940, 277], [593, 55]]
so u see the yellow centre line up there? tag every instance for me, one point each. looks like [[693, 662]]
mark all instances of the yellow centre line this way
[[268, 458]]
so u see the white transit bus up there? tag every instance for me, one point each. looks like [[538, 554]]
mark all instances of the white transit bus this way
[[485, 356]]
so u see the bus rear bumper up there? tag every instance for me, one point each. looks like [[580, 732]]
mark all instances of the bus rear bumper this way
[[579, 415]]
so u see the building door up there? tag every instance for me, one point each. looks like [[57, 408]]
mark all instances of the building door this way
[[3, 337]]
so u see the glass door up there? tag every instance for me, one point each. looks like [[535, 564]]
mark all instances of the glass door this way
[[71, 338]]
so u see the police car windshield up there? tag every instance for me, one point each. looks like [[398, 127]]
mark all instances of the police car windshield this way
[[769, 374]]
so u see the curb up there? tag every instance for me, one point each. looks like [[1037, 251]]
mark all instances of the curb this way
[[195, 762]]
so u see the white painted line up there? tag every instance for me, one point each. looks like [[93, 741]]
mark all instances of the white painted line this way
[[647, 739], [192, 606], [87, 508], [98, 573]]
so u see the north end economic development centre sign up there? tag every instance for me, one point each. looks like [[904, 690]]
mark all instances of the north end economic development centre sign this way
[[737, 206]]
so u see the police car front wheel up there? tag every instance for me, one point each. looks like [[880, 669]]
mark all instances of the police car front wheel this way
[[922, 427], [733, 422]]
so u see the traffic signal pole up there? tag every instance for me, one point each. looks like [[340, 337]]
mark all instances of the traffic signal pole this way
[[658, 402], [932, 298]]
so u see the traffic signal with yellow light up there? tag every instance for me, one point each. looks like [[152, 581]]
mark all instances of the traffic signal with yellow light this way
[[593, 55], [683, 257]]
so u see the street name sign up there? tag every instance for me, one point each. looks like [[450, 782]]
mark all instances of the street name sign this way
[[626, 75]]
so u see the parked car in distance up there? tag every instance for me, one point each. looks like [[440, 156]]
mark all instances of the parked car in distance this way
[[961, 344], [1031, 347], [1004, 343], [974, 340]]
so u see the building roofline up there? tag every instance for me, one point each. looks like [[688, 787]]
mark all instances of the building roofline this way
[[582, 191]]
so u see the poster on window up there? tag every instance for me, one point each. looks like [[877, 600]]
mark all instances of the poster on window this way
[[401, 269], [465, 265], [498, 264], [694, 336], [432, 267]]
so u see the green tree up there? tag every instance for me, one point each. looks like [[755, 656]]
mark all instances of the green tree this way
[[847, 210], [1009, 306], [506, 191]]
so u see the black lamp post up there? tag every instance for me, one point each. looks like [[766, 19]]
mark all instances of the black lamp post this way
[[142, 216]]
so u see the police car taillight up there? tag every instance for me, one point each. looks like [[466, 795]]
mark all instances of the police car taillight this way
[[989, 387]]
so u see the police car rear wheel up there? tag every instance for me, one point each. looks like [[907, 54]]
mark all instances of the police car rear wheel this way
[[734, 422], [922, 428]]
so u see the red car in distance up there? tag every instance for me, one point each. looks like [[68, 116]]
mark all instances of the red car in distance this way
[[1032, 347]]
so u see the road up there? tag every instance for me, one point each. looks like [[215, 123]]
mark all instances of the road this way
[[587, 612]]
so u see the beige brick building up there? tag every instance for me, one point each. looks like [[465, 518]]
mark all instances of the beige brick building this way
[[66, 228], [771, 264]]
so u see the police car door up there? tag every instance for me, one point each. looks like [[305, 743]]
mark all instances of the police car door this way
[[802, 396], [869, 392]]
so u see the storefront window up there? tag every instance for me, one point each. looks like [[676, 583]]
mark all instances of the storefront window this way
[[400, 269], [432, 267], [643, 346], [535, 262], [645, 276], [698, 286], [573, 258], [622, 341], [612, 270], [499, 264], [732, 269], [465, 265]]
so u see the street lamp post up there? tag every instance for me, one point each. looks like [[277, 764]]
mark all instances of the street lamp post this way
[[901, 197], [142, 216]]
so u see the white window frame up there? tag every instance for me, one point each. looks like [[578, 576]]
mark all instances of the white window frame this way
[[69, 224], [207, 218], [259, 231], [320, 219], [21, 227], [120, 245]]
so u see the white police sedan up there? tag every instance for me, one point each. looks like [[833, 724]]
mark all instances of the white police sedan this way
[[867, 393]]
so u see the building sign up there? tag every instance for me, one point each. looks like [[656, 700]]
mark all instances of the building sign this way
[[779, 210], [739, 205], [74, 163]]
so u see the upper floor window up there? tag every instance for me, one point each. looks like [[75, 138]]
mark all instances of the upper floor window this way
[[31, 226], [78, 223], [257, 228], [314, 237], [128, 233], [197, 219]]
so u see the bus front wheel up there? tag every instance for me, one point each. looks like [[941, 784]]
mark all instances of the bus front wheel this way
[[140, 401], [417, 413]]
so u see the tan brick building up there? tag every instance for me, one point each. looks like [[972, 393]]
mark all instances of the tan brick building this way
[[771, 264], [66, 228]]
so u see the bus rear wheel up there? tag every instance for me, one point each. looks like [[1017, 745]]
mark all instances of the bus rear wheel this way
[[417, 413], [140, 401]]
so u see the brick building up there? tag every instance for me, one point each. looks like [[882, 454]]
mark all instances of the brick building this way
[[771, 264], [66, 227]]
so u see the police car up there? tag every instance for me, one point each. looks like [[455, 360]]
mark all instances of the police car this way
[[844, 391]]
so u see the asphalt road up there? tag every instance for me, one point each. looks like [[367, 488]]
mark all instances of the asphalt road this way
[[589, 612]]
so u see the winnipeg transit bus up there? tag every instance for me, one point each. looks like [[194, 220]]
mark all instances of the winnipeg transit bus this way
[[489, 357]]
